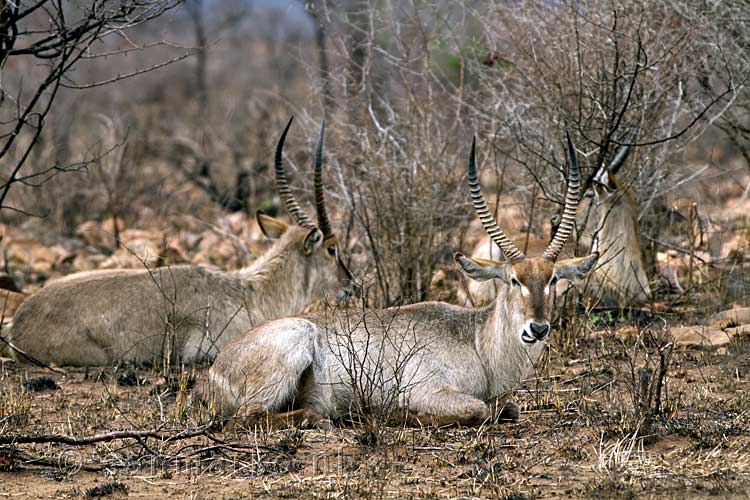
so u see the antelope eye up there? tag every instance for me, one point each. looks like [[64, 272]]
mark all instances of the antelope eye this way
[[332, 250], [553, 280], [514, 281]]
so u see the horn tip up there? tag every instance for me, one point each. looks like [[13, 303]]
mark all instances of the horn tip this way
[[318, 161], [568, 140], [282, 138], [472, 157], [572, 154]]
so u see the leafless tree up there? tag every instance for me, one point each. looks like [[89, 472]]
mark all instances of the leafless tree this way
[[41, 45], [320, 15], [602, 70], [398, 147], [730, 20], [197, 17], [411, 77]]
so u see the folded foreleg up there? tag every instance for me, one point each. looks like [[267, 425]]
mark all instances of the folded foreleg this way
[[445, 406]]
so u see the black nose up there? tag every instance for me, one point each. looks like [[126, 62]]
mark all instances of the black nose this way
[[539, 330]]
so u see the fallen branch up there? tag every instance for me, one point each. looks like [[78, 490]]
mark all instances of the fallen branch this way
[[100, 438], [13, 458]]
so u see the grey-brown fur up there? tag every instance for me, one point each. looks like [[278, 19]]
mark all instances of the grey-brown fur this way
[[262, 370], [186, 313], [103, 317], [432, 359], [621, 278], [440, 359]]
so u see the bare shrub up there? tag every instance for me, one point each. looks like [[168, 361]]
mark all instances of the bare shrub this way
[[398, 199], [647, 365], [603, 70], [399, 135], [409, 78], [42, 42], [375, 368]]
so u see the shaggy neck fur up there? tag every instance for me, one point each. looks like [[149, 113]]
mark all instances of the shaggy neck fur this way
[[621, 273], [505, 357], [278, 284]]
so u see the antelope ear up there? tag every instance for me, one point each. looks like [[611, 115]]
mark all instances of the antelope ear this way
[[612, 182], [576, 269], [313, 240], [605, 178], [271, 227], [481, 269]]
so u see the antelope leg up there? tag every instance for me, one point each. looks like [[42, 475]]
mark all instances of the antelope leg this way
[[447, 406]]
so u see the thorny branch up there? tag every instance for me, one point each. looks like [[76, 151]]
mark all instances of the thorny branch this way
[[53, 40]]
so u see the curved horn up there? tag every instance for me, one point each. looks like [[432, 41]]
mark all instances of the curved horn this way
[[320, 202], [282, 184], [510, 250], [572, 197], [622, 153]]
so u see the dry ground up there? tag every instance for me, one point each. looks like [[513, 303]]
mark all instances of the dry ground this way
[[594, 423], [578, 437]]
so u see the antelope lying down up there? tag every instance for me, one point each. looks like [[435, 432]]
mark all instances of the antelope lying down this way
[[443, 362], [103, 317], [620, 277]]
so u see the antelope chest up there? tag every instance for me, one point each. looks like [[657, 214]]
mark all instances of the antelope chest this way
[[457, 366]]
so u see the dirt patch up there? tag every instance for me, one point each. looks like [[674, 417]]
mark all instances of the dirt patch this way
[[578, 437]]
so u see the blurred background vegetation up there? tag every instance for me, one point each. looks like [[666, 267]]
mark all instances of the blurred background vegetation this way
[[139, 113]]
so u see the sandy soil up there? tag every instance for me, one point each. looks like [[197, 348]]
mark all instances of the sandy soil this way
[[578, 437]]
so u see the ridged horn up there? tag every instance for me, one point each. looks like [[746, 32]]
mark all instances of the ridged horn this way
[[572, 197], [282, 184], [510, 250], [320, 202], [622, 153]]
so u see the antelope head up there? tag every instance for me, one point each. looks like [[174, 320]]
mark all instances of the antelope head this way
[[529, 279], [605, 181], [316, 242]]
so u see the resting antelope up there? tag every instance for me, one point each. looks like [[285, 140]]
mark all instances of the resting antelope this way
[[103, 317], [620, 277], [445, 362]]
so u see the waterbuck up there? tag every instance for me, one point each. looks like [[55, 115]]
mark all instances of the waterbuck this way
[[187, 313], [620, 277], [435, 361]]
